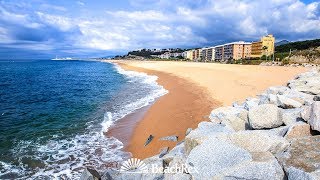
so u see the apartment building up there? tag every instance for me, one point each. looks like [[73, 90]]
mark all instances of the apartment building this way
[[257, 49], [208, 54], [219, 53], [236, 50], [189, 54]]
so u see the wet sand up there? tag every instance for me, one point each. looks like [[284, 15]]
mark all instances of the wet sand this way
[[194, 90], [183, 107]]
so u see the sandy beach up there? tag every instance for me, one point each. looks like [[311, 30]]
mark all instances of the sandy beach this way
[[194, 90]]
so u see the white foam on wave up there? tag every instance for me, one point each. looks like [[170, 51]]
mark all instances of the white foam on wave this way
[[139, 77], [65, 158]]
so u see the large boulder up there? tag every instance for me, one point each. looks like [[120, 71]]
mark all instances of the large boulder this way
[[279, 131], [204, 131], [298, 130], [251, 103], [307, 83], [314, 120], [177, 176], [268, 99], [234, 117], [301, 160], [291, 116], [215, 156], [306, 113], [304, 98], [177, 152], [287, 103], [235, 123], [276, 90], [265, 116], [263, 166], [222, 112], [257, 141]]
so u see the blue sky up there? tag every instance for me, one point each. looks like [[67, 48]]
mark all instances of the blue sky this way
[[93, 28]]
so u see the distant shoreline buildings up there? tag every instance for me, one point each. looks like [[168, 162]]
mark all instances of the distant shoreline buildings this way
[[234, 51], [226, 52]]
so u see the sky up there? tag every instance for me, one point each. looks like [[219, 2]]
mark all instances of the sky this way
[[95, 28]]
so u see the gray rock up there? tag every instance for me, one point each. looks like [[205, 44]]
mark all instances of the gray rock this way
[[297, 174], [188, 131], [221, 112], [287, 103], [177, 152], [90, 174], [279, 131], [301, 160], [163, 151], [204, 131], [214, 157], [257, 141], [149, 139], [177, 166], [291, 116], [251, 103], [273, 99], [154, 163], [265, 116], [276, 90], [307, 83], [112, 174], [298, 130], [268, 99], [304, 98], [316, 98], [306, 113], [178, 176], [170, 138], [314, 120], [235, 122], [263, 166], [264, 99]]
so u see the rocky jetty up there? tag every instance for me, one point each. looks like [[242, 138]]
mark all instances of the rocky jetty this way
[[273, 136]]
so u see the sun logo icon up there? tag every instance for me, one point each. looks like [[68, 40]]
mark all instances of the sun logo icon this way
[[133, 165]]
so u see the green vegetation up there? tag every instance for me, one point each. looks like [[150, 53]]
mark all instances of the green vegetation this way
[[148, 53], [299, 45]]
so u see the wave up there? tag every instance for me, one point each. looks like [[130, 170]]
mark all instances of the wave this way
[[155, 91], [66, 157]]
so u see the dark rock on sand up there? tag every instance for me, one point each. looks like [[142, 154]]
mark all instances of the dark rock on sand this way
[[148, 140]]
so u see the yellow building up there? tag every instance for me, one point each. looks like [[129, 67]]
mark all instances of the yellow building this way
[[190, 55], [263, 47]]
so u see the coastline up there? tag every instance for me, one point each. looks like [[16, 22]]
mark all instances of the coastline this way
[[185, 106], [196, 99]]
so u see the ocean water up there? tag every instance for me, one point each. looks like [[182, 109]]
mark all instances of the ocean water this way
[[53, 115]]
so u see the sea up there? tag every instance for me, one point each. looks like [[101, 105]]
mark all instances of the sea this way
[[53, 115]]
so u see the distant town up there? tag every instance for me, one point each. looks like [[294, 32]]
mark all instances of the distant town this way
[[225, 52]]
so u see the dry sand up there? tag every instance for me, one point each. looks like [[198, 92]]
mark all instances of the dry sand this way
[[194, 90]]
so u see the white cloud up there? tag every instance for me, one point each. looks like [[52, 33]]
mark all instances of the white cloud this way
[[176, 23], [81, 3], [60, 22]]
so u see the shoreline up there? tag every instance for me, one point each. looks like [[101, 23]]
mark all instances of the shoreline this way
[[152, 121], [149, 120]]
